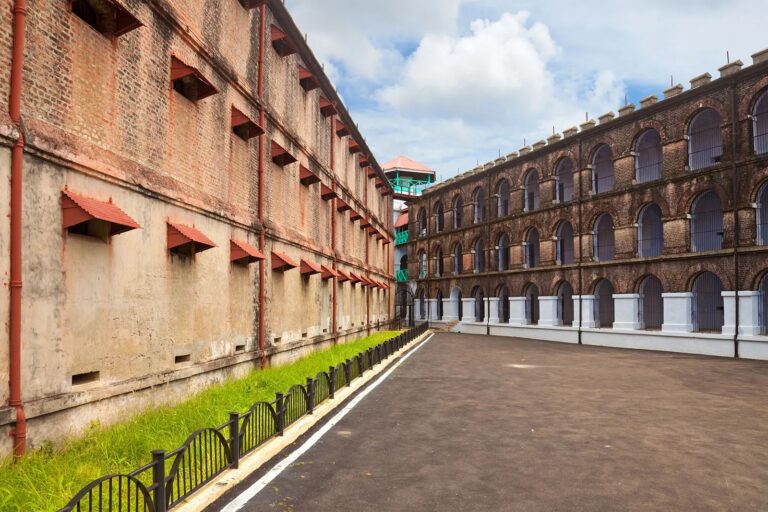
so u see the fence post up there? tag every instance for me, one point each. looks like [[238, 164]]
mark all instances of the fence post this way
[[280, 414], [348, 372], [360, 363], [310, 395], [332, 381], [234, 438], [158, 479]]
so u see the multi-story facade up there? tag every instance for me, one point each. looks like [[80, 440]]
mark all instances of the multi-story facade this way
[[648, 229], [190, 198]]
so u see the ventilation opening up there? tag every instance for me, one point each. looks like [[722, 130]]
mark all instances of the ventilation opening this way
[[243, 131], [304, 335], [183, 359], [94, 228], [84, 378], [239, 348], [187, 86], [105, 17], [278, 339]]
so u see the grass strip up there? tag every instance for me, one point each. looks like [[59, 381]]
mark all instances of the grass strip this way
[[46, 479]]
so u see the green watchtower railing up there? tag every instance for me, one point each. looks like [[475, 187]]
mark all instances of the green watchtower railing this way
[[410, 186], [401, 237]]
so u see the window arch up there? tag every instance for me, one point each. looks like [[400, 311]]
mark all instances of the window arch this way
[[564, 247], [458, 259], [479, 296], [439, 217], [650, 232], [502, 252], [532, 249], [602, 170], [708, 312], [478, 264], [502, 194], [564, 180], [458, 211], [651, 304], [649, 156], [422, 222], [705, 140], [439, 261], [503, 304], [707, 223], [762, 217], [480, 207], [532, 304], [760, 124], [565, 303], [422, 264], [531, 192], [603, 244], [604, 311]]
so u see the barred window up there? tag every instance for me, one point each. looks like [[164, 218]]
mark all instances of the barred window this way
[[762, 217], [564, 243], [422, 265], [503, 304], [651, 304], [439, 298], [564, 180], [503, 252], [480, 206], [439, 217], [648, 160], [565, 303], [532, 250], [532, 198], [458, 210], [422, 222], [603, 246], [708, 311], [439, 261], [602, 170], [502, 191], [705, 141], [650, 232], [479, 256], [604, 310], [458, 256], [707, 223], [760, 124], [532, 304]]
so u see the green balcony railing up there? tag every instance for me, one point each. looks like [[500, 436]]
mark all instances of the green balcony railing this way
[[401, 237], [409, 186], [402, 275]]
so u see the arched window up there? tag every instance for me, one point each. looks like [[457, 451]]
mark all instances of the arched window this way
[[603, 246], [503, 304], [439, 261], [602, 170], [564, 243], [564, 180], [762, 217], [422, 265], [439, 217], [458, 211], [760, 124], [479, 256], [650, 232], [458, 260], [422, 222], [705, 140], [604, 307], [707, 223], [502, 193], [532, 251], [565, 303], [708, 313], [532, 198], [439, 304], [532, 304], [502, 252], [648, 160], [764, 303], [479, 296], [651, 304], [480, 206]]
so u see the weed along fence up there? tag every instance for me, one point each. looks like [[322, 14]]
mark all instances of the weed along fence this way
[[173, 476]]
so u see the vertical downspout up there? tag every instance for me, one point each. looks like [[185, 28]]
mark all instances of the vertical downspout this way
[[736, 229], [367, 290], [19, 432], [262, 241], [581, 229], [333, 231]]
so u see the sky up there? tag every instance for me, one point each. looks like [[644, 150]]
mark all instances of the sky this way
[[454, 83]]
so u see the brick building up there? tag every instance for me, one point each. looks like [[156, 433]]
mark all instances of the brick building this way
[[648, 229], [196, 200]]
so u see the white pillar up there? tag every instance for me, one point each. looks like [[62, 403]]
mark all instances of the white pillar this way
[[493, 310], [548, 311], [749, 313], [450, 310], [517, 314], [468, 309], [417, 312], [585, 304], [626, 311], [678, 312], [432, 308]]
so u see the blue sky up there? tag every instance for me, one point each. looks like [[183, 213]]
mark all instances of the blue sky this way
[[452, 82]]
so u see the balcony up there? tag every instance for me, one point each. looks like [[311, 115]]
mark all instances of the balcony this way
[[401, 238], [402, 275]]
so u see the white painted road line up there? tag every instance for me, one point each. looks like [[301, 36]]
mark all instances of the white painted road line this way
[[243, 498]]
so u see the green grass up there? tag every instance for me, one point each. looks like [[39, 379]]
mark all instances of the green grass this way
[[47, 479]]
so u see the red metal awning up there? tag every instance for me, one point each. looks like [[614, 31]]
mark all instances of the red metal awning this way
[[252, 4], [309, 267], [370, 172], [328, 273], [367, 283], [372, 230], [343, 276], [282, 43], [354, 147], [365, 223], [124, 20], [77, 209], [326, 193], [386, 192], [379, 182], [243, 126], [281, 262], [307, 80], [280, 156], [243, 252], [307, 177], [387, 241], [341, 129], [180, 70], [327, 108], [355, 216], [354, 278], [181, 237], [341, 206], [364, 162], [402, 220]]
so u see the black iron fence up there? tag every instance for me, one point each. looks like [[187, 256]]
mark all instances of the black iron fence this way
[[173, 476]]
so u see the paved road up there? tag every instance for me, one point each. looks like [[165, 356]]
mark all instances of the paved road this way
[[476, 423]]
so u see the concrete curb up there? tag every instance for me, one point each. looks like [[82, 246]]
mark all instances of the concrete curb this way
[[264, 454]]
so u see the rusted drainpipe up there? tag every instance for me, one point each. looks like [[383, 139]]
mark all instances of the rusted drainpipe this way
[[367, 270], [262, 242], [333, 232], [19, 432]]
